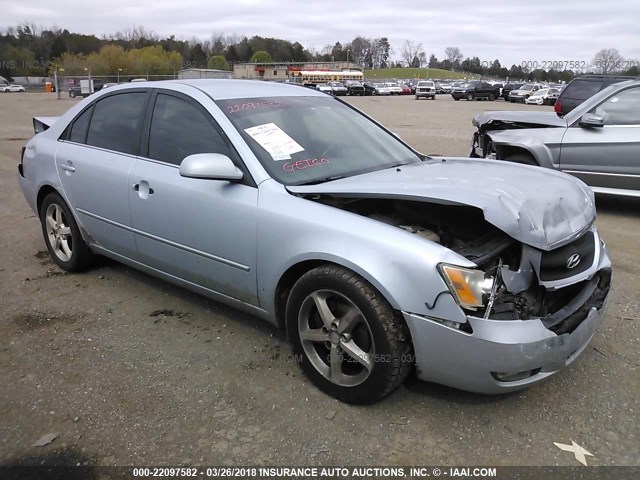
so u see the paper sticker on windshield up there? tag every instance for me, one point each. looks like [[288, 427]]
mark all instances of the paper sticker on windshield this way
[[274, 140]]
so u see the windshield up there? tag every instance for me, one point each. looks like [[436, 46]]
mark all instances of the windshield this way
[[302, 140], [527, 86]]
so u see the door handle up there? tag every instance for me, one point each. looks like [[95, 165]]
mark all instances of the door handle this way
[[68, 167], [143, 189]]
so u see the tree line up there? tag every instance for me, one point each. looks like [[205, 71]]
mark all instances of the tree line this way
[[28, 50]]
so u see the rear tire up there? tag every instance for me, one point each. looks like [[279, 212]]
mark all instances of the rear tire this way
[[492, 97], [62, 235], [352, 344], [470, 97]]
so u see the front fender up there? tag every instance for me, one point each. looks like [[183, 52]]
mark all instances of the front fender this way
[[400, 265], [546, 155]]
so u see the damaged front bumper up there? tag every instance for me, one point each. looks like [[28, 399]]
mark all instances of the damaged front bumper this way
[[498, 356]]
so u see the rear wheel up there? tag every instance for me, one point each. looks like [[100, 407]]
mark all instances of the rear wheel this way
[[352, 345], [62, 235], [470, 97], [492, 97]]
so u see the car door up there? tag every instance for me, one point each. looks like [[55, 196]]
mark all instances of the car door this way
[[202, 231], [94, 158], [608, 156]]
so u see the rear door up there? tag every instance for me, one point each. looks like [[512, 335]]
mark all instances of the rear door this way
[[201, 231], [94, 159], [608, 156]]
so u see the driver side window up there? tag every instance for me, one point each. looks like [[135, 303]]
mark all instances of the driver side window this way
[[621, 109]]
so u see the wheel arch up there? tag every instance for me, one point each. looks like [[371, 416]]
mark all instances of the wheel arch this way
[[43, 191], [508, 142], [294, 272]]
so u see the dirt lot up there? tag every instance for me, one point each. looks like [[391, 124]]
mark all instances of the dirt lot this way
[[127, 369]]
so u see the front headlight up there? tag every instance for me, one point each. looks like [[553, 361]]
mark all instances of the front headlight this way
[[466, 285]]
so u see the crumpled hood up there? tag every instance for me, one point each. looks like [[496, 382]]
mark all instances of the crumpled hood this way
[[531, 118], [539, 207]]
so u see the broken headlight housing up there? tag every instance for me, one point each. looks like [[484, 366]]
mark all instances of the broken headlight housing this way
[[469, 287]]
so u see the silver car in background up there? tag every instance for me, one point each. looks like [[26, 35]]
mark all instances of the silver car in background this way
[[294, 206], [598, 141]]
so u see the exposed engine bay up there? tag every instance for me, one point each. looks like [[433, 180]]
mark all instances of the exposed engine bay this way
[[512, 270]]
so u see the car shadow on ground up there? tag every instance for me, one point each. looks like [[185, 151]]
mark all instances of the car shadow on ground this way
[[195, 300], [615, 205], [65, 464], [435, 391]]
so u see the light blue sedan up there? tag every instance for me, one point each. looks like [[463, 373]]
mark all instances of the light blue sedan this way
[[296, 207]]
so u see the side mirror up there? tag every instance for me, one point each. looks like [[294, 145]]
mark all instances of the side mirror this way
[[214, 166], [591, 120]]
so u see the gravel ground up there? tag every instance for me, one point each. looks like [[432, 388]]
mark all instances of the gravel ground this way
[[125, 369]]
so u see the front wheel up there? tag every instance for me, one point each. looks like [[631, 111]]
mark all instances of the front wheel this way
[[62, 235], [492, 97], [351, 343], [470, 97]]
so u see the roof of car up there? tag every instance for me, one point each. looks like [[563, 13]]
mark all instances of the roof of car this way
[[224, 89]]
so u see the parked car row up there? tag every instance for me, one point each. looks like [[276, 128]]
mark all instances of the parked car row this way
[[355, 88]]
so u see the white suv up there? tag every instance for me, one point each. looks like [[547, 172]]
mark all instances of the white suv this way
[[426, 88]]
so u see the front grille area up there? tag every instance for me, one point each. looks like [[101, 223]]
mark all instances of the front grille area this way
[[592, 294], [569, 260]]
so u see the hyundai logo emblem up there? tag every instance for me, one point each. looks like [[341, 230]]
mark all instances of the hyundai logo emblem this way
[[573, 261]]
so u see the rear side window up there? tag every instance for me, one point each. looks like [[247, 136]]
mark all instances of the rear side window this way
[[116, 121], [179, 129], [80, 127], [582, 89]]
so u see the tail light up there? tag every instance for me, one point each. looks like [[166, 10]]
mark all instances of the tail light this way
[[557, 107]]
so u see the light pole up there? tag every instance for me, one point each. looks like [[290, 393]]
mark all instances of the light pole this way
[[119, 70], [88, 70], [348, 57]]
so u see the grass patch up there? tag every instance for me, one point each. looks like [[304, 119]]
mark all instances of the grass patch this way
[[407, 73]]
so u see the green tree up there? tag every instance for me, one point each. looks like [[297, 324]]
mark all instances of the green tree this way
[[261, 57], [197, 56], [218, 62]]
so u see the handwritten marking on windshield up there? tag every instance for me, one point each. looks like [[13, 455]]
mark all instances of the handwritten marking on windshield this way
[[253, 105], [292, 167]]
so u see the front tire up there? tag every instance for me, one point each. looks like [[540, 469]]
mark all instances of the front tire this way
[[352, 344], [62, 235], [470, 97], [492, 97]]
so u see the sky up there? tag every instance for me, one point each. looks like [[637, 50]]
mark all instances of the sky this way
[[513, 31]]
